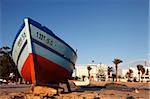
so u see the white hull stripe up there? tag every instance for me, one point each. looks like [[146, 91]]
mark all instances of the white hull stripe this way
[[52, 50], [24, 45]]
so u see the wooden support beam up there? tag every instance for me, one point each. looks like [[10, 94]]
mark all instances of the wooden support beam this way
[[68, 86]]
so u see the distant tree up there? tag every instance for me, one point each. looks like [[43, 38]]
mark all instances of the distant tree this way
[[113, 77], [117, 61], [7, 65], [101, 74], [98, 76], [119, 76], [139, 67], [83, 77], [109, 70], [147, 72], [129, 74], [89, 69], [143, 72]]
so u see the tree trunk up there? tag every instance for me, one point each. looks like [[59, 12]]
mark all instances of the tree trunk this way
[[116, 72], [139, 75], [89, 76]]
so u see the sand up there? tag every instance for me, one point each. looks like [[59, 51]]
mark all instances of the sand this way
[[139, 91]]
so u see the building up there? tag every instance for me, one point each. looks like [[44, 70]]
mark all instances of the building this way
[[145, 77], [97, 73]]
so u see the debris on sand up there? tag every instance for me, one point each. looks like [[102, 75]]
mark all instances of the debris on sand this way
[[115, 86]]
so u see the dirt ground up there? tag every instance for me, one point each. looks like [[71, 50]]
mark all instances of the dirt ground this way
[[139, 91]]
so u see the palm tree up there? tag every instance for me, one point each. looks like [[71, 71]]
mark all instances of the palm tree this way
[[147, 72], [89, 69], [109, 70], [130, 74], [143, 71], [117, 61], [127, 75], [83, 77], [139, 67]]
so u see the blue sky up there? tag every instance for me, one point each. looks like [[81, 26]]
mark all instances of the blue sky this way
[[99, 29]]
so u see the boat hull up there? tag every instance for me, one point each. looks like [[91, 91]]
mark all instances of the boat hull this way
[[46, 71], [41, 56]]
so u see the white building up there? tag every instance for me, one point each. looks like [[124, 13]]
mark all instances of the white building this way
[[80, 70], [145, 76], [97, 71]]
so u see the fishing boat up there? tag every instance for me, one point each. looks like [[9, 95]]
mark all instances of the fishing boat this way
[[41, 56]]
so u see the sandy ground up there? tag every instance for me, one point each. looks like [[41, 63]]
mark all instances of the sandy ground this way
[[140, 91]]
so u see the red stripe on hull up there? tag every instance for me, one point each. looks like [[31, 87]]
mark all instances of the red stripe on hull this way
[[46, 71]]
